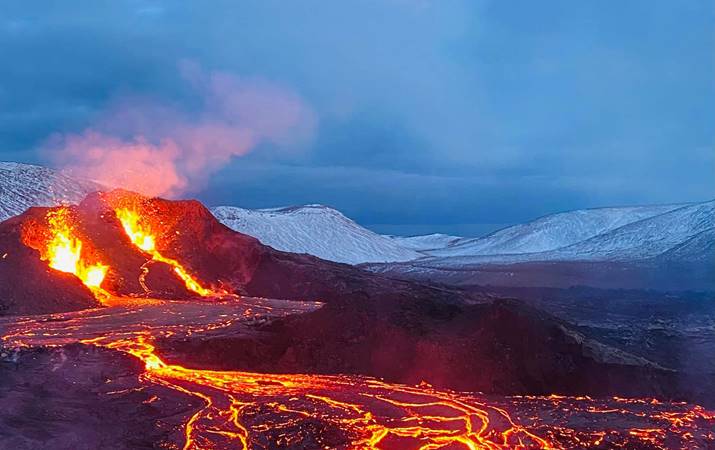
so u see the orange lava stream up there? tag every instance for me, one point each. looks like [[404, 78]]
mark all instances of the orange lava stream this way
[[377, 415], [241, 408], [142, 237], [235, 409], [427, 418]]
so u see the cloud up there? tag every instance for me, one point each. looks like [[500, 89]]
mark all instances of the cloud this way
[[159, 149], [620, 100]]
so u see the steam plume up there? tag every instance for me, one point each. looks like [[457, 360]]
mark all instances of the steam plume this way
[[157, 149]]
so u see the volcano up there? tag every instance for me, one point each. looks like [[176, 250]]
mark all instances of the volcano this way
[[120, 244], [138, 241], [159, 248], [218, 316]]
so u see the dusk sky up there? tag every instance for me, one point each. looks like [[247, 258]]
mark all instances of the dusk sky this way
[[410, 116]]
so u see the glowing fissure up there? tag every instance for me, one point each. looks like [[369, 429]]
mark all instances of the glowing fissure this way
[[243, 410], [422, 418], [143, 238], [63, 251], [435, 419]]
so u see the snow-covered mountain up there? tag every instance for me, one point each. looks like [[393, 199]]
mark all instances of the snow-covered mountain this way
[[25, 185], [551, 232], [677, 232], [317, 230], [671, 231], [428, 242], [699, 248], [661, 234], [680, 232]]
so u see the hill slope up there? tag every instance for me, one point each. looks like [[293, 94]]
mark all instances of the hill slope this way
[[647, 238], [26, 185], [317, 230], [682, 232], [428, 242], [552, 232]]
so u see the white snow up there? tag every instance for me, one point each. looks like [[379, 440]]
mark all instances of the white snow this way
[[427, 242], [317, 230], [661, 233], [646, 238], [679, 231], [25, 185], [551, 232], [684, 232]]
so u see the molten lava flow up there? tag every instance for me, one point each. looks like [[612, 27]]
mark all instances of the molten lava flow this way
[[242, 410], [63, 251], [141, 235], [421, 417]]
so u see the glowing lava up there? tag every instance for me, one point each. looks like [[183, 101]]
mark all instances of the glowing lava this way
[[63, 251], [142, 236], [245, 410], [378, 417]]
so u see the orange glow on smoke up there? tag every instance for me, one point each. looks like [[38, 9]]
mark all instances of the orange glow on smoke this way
[[141, 235], [63, 251]]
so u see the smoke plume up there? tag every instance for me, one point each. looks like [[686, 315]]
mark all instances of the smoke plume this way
[[158, 149]]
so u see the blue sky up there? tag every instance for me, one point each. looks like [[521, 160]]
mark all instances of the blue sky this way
[[428, 115]]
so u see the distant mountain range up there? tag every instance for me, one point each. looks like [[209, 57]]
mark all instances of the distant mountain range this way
[[662, 247], [677, 231], [551, 232], [604, 234], [656, 235], [668, 247]]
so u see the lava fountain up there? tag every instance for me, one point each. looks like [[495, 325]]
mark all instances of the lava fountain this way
[[62, 250]]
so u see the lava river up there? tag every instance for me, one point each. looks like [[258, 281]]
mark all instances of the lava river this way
[[236, 409]]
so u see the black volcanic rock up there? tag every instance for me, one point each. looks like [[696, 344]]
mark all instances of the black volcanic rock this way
[[84, 397], [495, 347]]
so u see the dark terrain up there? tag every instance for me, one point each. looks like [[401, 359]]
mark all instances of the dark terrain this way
[[404, 331]]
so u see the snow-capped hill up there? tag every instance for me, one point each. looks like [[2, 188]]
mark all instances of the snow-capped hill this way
[[25, 185], [683, 234], [427, 242], [699, 248], [551, 232], [671, 231], [678, 232], [314, 229]]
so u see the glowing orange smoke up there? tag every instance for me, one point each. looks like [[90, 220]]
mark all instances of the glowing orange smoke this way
[[63, 251], [141, 235]]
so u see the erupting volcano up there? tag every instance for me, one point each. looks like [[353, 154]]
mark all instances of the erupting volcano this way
[[117, 244], [428, 225], [316, 370]]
